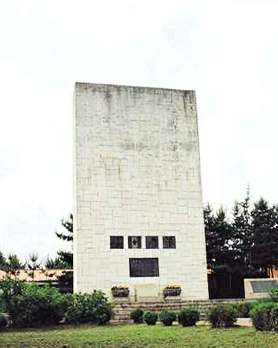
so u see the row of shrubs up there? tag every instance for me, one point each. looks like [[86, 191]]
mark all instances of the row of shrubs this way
[[186, 317], [29, 305], [221, 315], [264, 313], [243, 308]]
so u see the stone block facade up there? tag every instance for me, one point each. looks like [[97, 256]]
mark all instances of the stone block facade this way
[[138, 214]]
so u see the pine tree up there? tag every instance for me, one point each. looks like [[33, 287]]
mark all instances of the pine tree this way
[[264, 236], [242, 236], [68, 225], [66, 256], [56, 263], [33, 264], [211, 238], [12, 264], [218, 235], [2, 261]]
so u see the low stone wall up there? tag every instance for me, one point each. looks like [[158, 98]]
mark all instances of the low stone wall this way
[[123, 307]]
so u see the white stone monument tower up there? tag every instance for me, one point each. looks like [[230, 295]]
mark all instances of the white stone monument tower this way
[[138, 215]]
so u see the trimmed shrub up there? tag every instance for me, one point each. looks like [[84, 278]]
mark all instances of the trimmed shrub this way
[[9, 289], [3, 321], [188, 316], [137, 315], [243, 308], [265, 316], [33, 306], [150, 318], [37, 306], [223, 315], [263, 300], [273, 294], [167, 317], [88, 308]]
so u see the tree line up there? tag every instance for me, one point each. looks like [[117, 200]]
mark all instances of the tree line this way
[[245, 241], [63, 260], [12, 263]]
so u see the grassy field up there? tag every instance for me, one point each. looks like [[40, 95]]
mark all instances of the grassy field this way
[[139, 336]]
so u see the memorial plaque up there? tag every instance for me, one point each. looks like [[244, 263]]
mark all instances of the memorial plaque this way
[[259, 286], [116, 242], [169, 242], [151, 242], [134, 242], [144, 267]]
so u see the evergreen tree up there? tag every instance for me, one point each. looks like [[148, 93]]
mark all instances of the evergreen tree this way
[[249, 244], [33, 264], [66, 256], [264, 236], [56, 263], [68, 225], [2, 261], [223, 230], [12, 264], [218, 235], [211, 238], [242, 236]]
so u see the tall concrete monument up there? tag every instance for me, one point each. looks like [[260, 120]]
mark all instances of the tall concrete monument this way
[[138, 215]]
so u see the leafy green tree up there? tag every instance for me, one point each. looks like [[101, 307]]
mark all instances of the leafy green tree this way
[[9, 288], [30, 305]]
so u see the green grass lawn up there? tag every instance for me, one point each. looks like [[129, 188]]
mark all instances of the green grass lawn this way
[[139, 336]]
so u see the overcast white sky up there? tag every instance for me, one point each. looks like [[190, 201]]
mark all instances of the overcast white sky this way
[[226, 50]]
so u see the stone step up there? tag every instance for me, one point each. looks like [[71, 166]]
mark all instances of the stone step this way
[[121, 321], [123, 310]]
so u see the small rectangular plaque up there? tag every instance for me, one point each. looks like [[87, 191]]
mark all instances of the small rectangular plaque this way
[[144, 267]]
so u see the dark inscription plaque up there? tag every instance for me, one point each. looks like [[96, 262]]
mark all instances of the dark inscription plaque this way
[[143, 267], [151, 242], [169, 242], [262, 285], [116, 242]]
